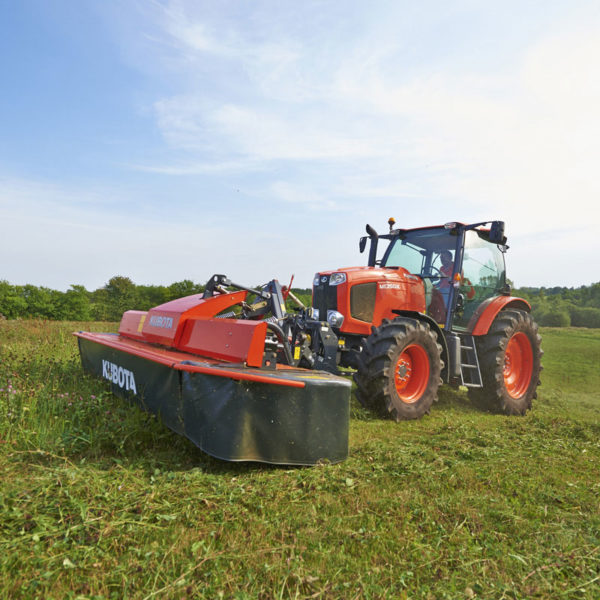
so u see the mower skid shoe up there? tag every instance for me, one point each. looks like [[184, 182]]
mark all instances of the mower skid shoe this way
[[288, 416]]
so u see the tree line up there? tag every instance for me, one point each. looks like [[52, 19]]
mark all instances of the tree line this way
[[564, 307], [107, 303], [552, 307]]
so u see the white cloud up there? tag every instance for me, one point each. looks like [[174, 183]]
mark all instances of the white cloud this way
[[511, 136], [520, 143], [517, 142]]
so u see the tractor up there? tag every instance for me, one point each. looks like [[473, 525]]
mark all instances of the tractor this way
[[435, 308]]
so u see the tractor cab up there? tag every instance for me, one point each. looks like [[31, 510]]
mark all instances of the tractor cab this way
[[461, 266]]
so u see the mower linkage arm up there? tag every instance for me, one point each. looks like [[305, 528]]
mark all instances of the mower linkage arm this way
[[272, 302], [218, 283]]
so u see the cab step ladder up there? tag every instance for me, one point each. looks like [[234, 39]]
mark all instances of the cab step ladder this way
[[469, 363]]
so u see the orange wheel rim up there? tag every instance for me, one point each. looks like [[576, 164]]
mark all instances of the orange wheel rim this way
[[411, 373], [518, 365]]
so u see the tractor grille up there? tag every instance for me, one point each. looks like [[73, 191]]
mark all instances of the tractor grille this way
[[324, 298], [362, 301]]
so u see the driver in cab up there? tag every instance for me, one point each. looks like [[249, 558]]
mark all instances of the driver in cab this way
[[446, 269]]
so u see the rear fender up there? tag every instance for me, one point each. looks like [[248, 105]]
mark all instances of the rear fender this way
[[438, 332], [484, 316]]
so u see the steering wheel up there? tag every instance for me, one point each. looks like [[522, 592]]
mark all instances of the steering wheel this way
[[430, 274]]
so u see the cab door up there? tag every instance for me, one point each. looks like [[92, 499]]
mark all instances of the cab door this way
[[483, 277]]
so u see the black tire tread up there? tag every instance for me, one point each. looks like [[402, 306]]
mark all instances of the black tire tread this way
[[372, 378], [490, 348]]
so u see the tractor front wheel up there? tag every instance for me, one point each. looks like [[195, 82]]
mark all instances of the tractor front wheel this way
[[399, 369], [510, 359]]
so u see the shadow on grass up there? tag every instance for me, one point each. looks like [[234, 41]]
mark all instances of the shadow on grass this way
[[149, 446], [448, 399], [455, 399]]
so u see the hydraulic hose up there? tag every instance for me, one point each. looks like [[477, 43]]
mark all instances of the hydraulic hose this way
[[283, 340]]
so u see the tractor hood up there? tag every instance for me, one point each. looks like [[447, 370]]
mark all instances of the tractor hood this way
[[357, 274], [364, 296]]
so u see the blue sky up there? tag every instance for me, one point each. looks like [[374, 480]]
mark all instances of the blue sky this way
[[172, 140]]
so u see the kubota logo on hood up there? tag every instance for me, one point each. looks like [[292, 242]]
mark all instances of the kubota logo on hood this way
[[119, 376]]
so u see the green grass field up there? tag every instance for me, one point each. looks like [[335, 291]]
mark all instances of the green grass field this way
[[99, 500]]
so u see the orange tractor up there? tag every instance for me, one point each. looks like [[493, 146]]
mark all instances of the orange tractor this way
[[435, 308]]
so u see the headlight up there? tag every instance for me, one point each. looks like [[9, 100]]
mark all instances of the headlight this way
[[337, 278], [315, 314], [334, 318], [316, 279]]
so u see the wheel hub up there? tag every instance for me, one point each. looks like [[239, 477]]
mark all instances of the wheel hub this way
[[411, 373], [404, 370], [518, 365]]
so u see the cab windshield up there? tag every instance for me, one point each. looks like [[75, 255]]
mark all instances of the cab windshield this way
[[430, 254], [419, 251]]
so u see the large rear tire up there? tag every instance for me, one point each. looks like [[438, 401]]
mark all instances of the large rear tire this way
[[510, 358], [399, 369]]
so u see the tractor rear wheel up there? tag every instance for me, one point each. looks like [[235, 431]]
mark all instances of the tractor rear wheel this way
[[399, 369], [510, 359]]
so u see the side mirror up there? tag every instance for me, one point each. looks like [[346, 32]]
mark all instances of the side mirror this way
[[362, 244], [497, 232]]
